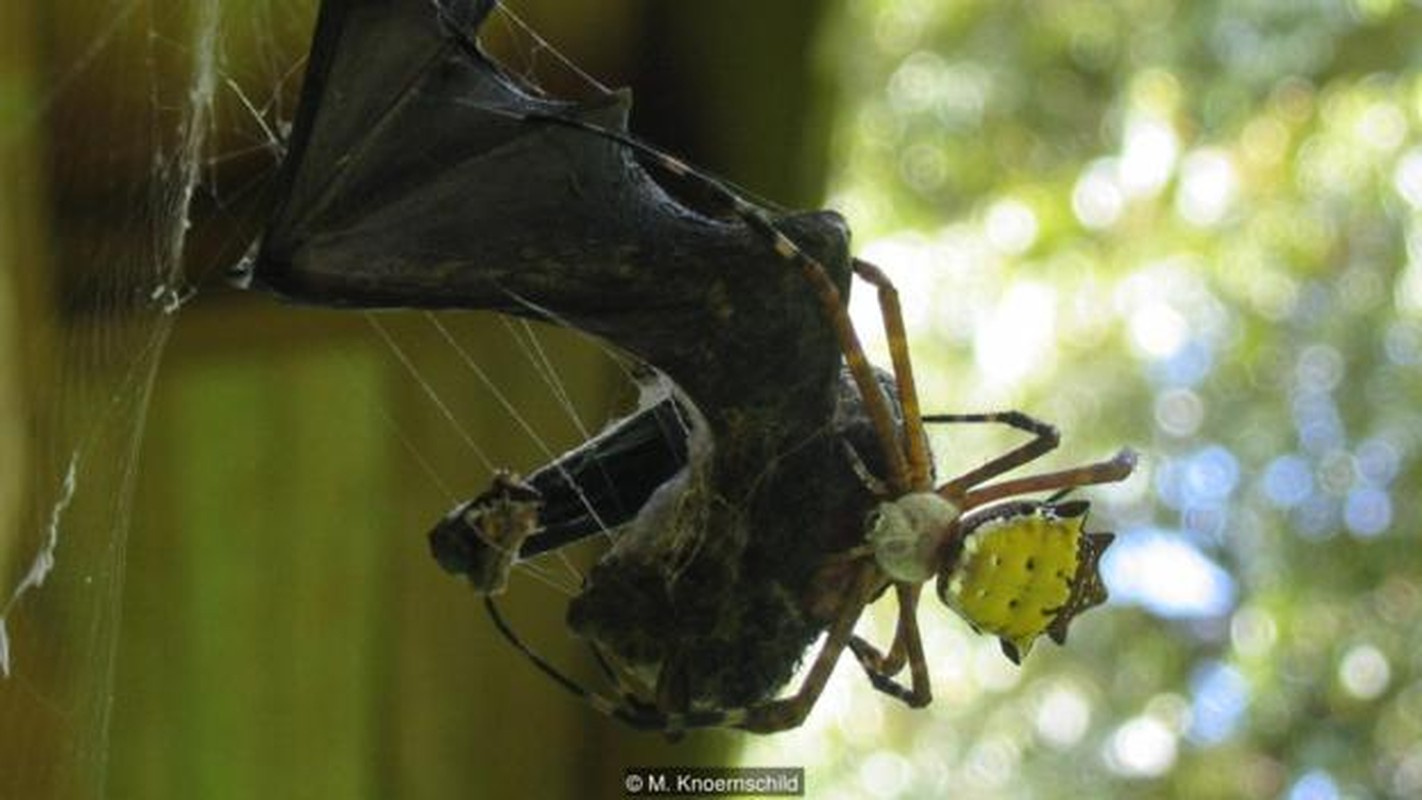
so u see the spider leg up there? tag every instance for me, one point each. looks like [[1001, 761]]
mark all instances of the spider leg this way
[[628, 708], [767, 717], [1044, 439], [788, 712], [890, 662], [1110, 470], [881, 679], [880, 668], [892, 313], [619, 674], [900, 478], [869, 480]]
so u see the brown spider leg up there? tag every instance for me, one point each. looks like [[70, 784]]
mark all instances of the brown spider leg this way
[[627, 708], [766, 717], [892, 661], [620, 675], [877, 665], [907, 647], [892, 313], [831, 302], [1113, 469], [1045, 439], [789, 712], [921, 693]]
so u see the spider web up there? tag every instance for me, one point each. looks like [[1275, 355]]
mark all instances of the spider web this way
[[95, 283], [140, 135]]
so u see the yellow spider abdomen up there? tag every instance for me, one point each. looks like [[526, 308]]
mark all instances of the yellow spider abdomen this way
[[1016, 575]]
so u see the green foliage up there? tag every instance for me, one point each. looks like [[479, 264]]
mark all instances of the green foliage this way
[[1191, 227]]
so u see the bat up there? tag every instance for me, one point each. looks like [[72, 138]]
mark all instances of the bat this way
[[421, 174]]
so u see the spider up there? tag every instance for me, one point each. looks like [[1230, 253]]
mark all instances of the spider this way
[[1016, 569], [1012, 568]]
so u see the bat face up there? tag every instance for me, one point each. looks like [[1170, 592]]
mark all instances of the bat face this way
[[481, 539], [1024, 570]]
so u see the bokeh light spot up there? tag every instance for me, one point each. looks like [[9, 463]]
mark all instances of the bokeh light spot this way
[[885, 774], [1382, 126], [1253, 632], [1017, 336], [1221, 696], [1407, 177], [1179, 412], [1210, 474], [1207, 187], [1144, 747], [1011, 226], [1364, 672], [1314, 785], [1288, 481], [1063, 716], [1377, 461], [1320, 368], [1148, 157], [1158, 330], [1097, 201], [1367, 511], [990, 764]]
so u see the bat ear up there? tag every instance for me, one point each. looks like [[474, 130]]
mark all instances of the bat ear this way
[[452, 543]]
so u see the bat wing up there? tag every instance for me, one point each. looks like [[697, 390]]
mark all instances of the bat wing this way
[[603, 484], [415, 177]]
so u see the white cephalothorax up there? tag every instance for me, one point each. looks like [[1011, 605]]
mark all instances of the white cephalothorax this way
[[907, 535]]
